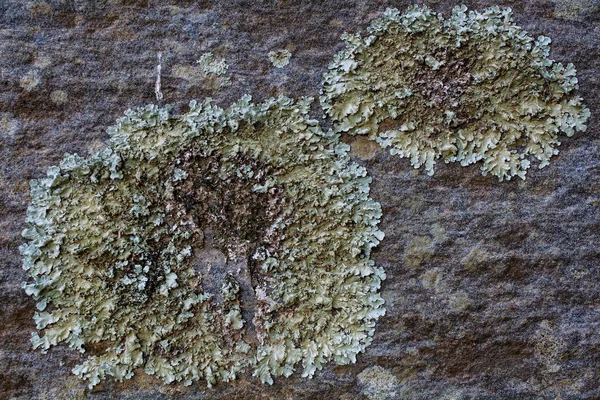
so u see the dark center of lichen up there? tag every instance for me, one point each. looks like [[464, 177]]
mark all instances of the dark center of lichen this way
[[232, 221], [441, 88], [232, 216]]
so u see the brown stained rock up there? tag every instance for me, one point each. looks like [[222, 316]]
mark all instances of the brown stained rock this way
[[364, 148], [502, 305]]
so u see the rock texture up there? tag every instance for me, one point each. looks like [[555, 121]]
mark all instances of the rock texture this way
[[493, 289]]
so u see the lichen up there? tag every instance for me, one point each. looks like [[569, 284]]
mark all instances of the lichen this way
[[547, 347], [379, 383], [210, 68], [209, 65], [575, 10], [9, 125], [30, 80], [124, 246], [59, 97], [473, 87], [279, 58], [459, 301], [419, 249]]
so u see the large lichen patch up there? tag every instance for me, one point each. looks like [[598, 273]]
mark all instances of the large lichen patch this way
[[201, 245], [473, 87]]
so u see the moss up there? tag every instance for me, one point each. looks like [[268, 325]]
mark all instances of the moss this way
[[124, 247], [473, 87]]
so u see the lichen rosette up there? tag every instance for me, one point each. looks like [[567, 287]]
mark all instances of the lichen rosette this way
[[473, 87], [200, 245]]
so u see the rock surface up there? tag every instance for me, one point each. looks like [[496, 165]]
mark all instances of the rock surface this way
[[493, 289]]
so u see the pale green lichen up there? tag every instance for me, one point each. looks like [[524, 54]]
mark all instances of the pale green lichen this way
[[547, 347], [575, 10], [279, 58], [59, 97], [379, 383], [9, 126], [419, 249], [473, 87], [117, 240], [30, 80], [210, 67]]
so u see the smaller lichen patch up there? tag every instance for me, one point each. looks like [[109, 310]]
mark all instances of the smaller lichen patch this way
[[210, 65], [459, 301], [279, 58], [39, 8], [453, 394], [419, 249], [472, 87], [439, 233], [431, 278], [476, 258], [59, 97], [548, 347], [211, 68], [42, 61], [187, 72], [575, 10], [9, 125], [30, 80], [378, 383]]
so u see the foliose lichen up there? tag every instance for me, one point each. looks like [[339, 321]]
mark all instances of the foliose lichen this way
[[117, 242], [209, 65], [473, 87], [213, 69], [279, 58]]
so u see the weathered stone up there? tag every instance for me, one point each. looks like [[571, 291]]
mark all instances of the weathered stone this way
[[492, 289]]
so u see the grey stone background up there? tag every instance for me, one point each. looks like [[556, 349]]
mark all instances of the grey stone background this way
[[493, 289]]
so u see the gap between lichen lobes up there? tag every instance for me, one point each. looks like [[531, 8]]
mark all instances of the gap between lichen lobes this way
[[473, 87], [113, 239]]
